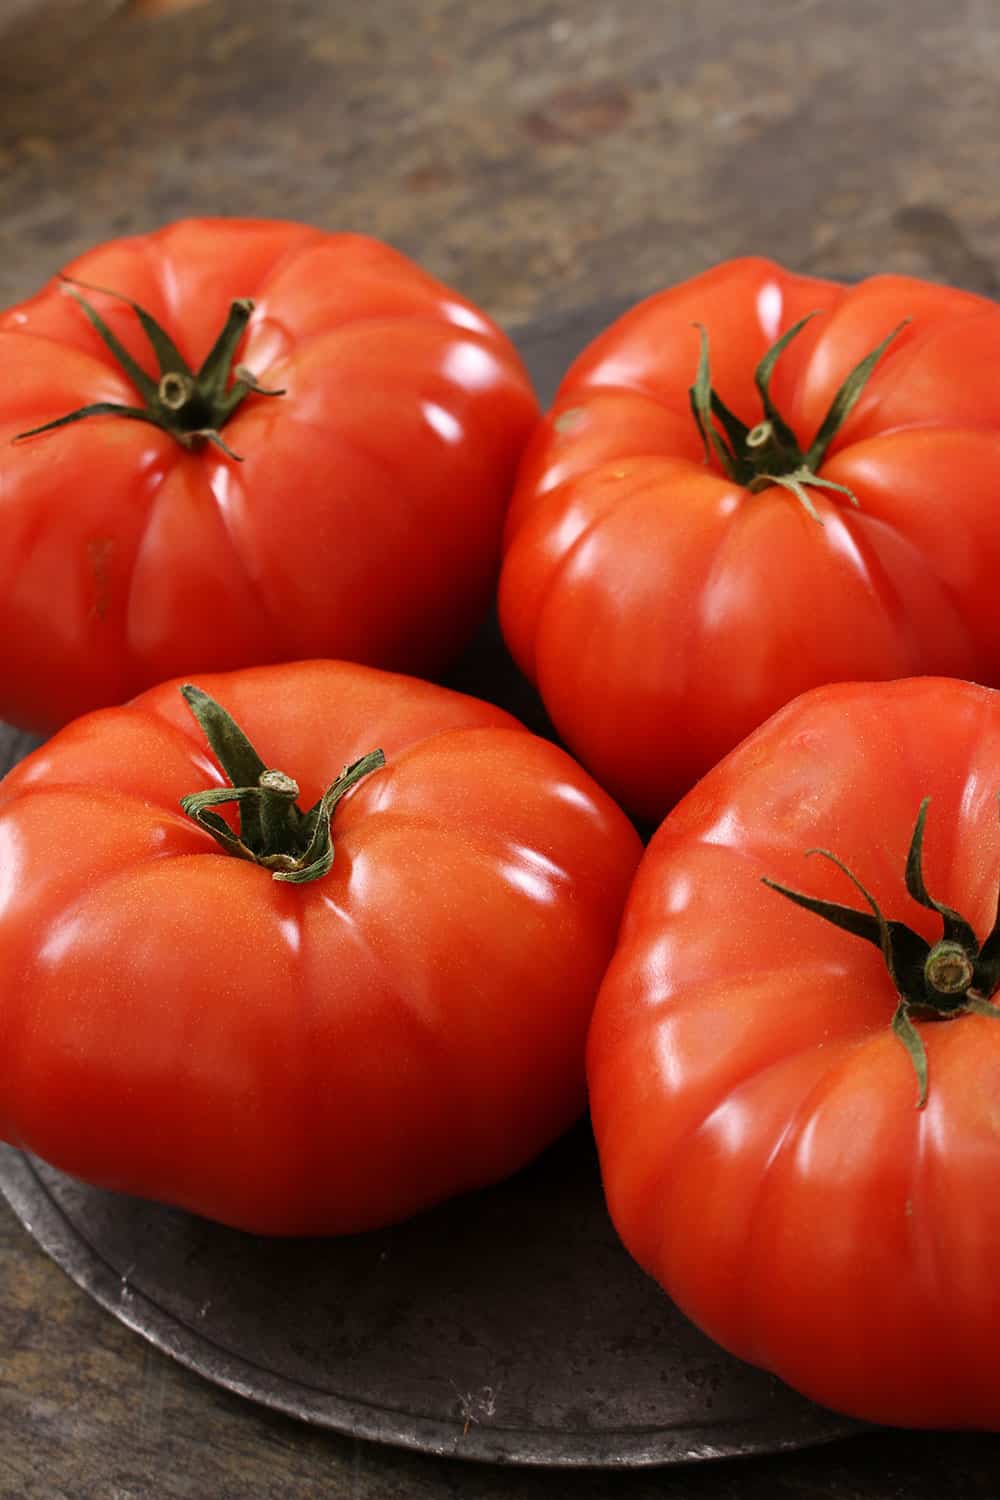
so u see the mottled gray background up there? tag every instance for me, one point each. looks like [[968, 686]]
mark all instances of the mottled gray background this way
[[537, 154]]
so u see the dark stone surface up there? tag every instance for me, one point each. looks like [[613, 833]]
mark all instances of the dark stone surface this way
[[542, 155], [539, 153]]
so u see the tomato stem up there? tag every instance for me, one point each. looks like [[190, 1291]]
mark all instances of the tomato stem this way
[[955, 976], [770, 453], [295, 846], [192, 406]]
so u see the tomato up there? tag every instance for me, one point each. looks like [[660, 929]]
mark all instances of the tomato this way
[[665, 606], [334, 485], [278, 1042], [801, 1146]]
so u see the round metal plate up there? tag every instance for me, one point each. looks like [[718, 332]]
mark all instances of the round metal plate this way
[[509, 1325]]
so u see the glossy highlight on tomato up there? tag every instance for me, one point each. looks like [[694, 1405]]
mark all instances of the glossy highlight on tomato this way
[[182, 1020], [664, 606], [770, 1152], [336, 489]]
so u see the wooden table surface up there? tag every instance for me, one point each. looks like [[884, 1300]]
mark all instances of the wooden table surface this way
[[542, 155]]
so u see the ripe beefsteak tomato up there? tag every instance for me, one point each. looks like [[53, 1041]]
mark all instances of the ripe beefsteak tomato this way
[[715, 518], [284, 444], [301, 1019], [794, 1063]]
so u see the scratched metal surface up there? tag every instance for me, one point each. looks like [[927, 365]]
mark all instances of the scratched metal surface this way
[[506, 1326]]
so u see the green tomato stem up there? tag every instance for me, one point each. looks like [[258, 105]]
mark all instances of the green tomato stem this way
[[770, 453], [953, 977], [275, 833], [192, 406]]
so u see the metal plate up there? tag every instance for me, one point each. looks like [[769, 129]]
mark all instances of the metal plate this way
[[508, 1325]]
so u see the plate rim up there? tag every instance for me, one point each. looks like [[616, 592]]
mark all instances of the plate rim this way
[[65, 1242]]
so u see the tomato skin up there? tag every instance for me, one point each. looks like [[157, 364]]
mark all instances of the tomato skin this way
[[664, 610], [303, 1059], [761, 1150], [363, 522]]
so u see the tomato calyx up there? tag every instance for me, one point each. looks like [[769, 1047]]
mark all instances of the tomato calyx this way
[[953, 977], [295, 846], [770, 452], [190, 405]]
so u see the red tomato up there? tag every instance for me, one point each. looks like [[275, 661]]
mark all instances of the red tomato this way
[[302, 1058], [757, 1108], [664, 608], [357, 512]]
